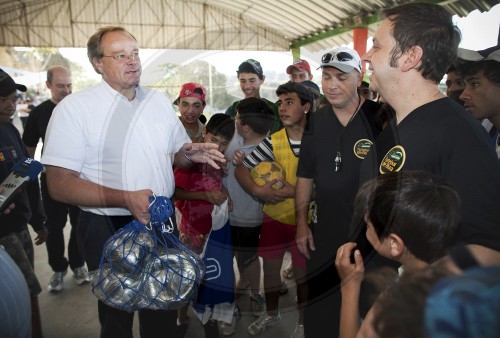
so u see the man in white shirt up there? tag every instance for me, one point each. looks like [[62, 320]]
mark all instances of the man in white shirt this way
[[120, 144]]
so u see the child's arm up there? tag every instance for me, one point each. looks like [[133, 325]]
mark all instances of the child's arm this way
[[288, 190], [265, 193], [263, 152], [229, 200], [351, 276], [238, 157], [304, 236], [212, 196]]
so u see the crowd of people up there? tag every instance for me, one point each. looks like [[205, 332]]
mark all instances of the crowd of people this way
[[386, 208]]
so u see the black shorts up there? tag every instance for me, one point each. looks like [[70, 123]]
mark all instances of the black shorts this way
[[245, 244]]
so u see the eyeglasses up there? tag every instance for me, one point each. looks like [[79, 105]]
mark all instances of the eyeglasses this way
[[342, 57], [120, 58]]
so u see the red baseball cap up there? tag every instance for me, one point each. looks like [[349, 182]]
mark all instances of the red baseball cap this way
[[192, 89], [299, 65]]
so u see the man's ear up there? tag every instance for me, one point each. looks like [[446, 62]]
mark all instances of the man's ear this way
[[308, 107], [412, 58], [396, 245], [360, 79], [97, 63]]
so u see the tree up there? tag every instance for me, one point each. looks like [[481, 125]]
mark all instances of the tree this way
[[199, 72]]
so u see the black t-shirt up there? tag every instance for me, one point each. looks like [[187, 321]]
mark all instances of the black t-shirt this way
[[441, 137], [37, 123], [335, 191], [12, 150]]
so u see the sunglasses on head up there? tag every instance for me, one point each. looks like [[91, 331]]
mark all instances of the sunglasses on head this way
[[342, 57]]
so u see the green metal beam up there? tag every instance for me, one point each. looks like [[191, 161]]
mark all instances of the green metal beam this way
[[332, 32], [344, 29]]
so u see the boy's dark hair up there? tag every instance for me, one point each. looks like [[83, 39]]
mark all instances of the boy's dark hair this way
[[417, 206], [437, 301], [257, 114], [452, 68], [221, 125], [294, 87], [399, 312], [490, 68], [312, 87], [429, 26], [250, 66]]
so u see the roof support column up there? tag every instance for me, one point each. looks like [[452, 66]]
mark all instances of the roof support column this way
[[295, 53]]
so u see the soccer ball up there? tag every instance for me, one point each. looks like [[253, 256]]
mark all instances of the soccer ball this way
[[267, 171]]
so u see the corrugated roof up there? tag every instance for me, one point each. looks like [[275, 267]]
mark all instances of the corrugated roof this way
[[200, 24]]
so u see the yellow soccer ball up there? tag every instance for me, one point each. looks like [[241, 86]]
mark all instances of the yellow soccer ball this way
[[267, 171]]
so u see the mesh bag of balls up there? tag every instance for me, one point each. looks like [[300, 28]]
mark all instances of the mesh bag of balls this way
[[268, 171], [147, 267]]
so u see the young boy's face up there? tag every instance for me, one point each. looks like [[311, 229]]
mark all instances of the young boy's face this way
[[291, 111], [8, 106], [221, 141], [299, 75], [190, 109], [481, 96], [250, 84]]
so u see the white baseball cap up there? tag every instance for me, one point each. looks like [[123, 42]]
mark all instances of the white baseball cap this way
[[344, 59], [492, 53]]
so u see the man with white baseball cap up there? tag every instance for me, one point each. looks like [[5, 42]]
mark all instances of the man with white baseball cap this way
[[338, 137], [344, 59]]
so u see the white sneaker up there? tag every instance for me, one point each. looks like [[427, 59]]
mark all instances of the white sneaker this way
[[57, 281], [257, 304], [81, 275], [298, 332], [263, 322]]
